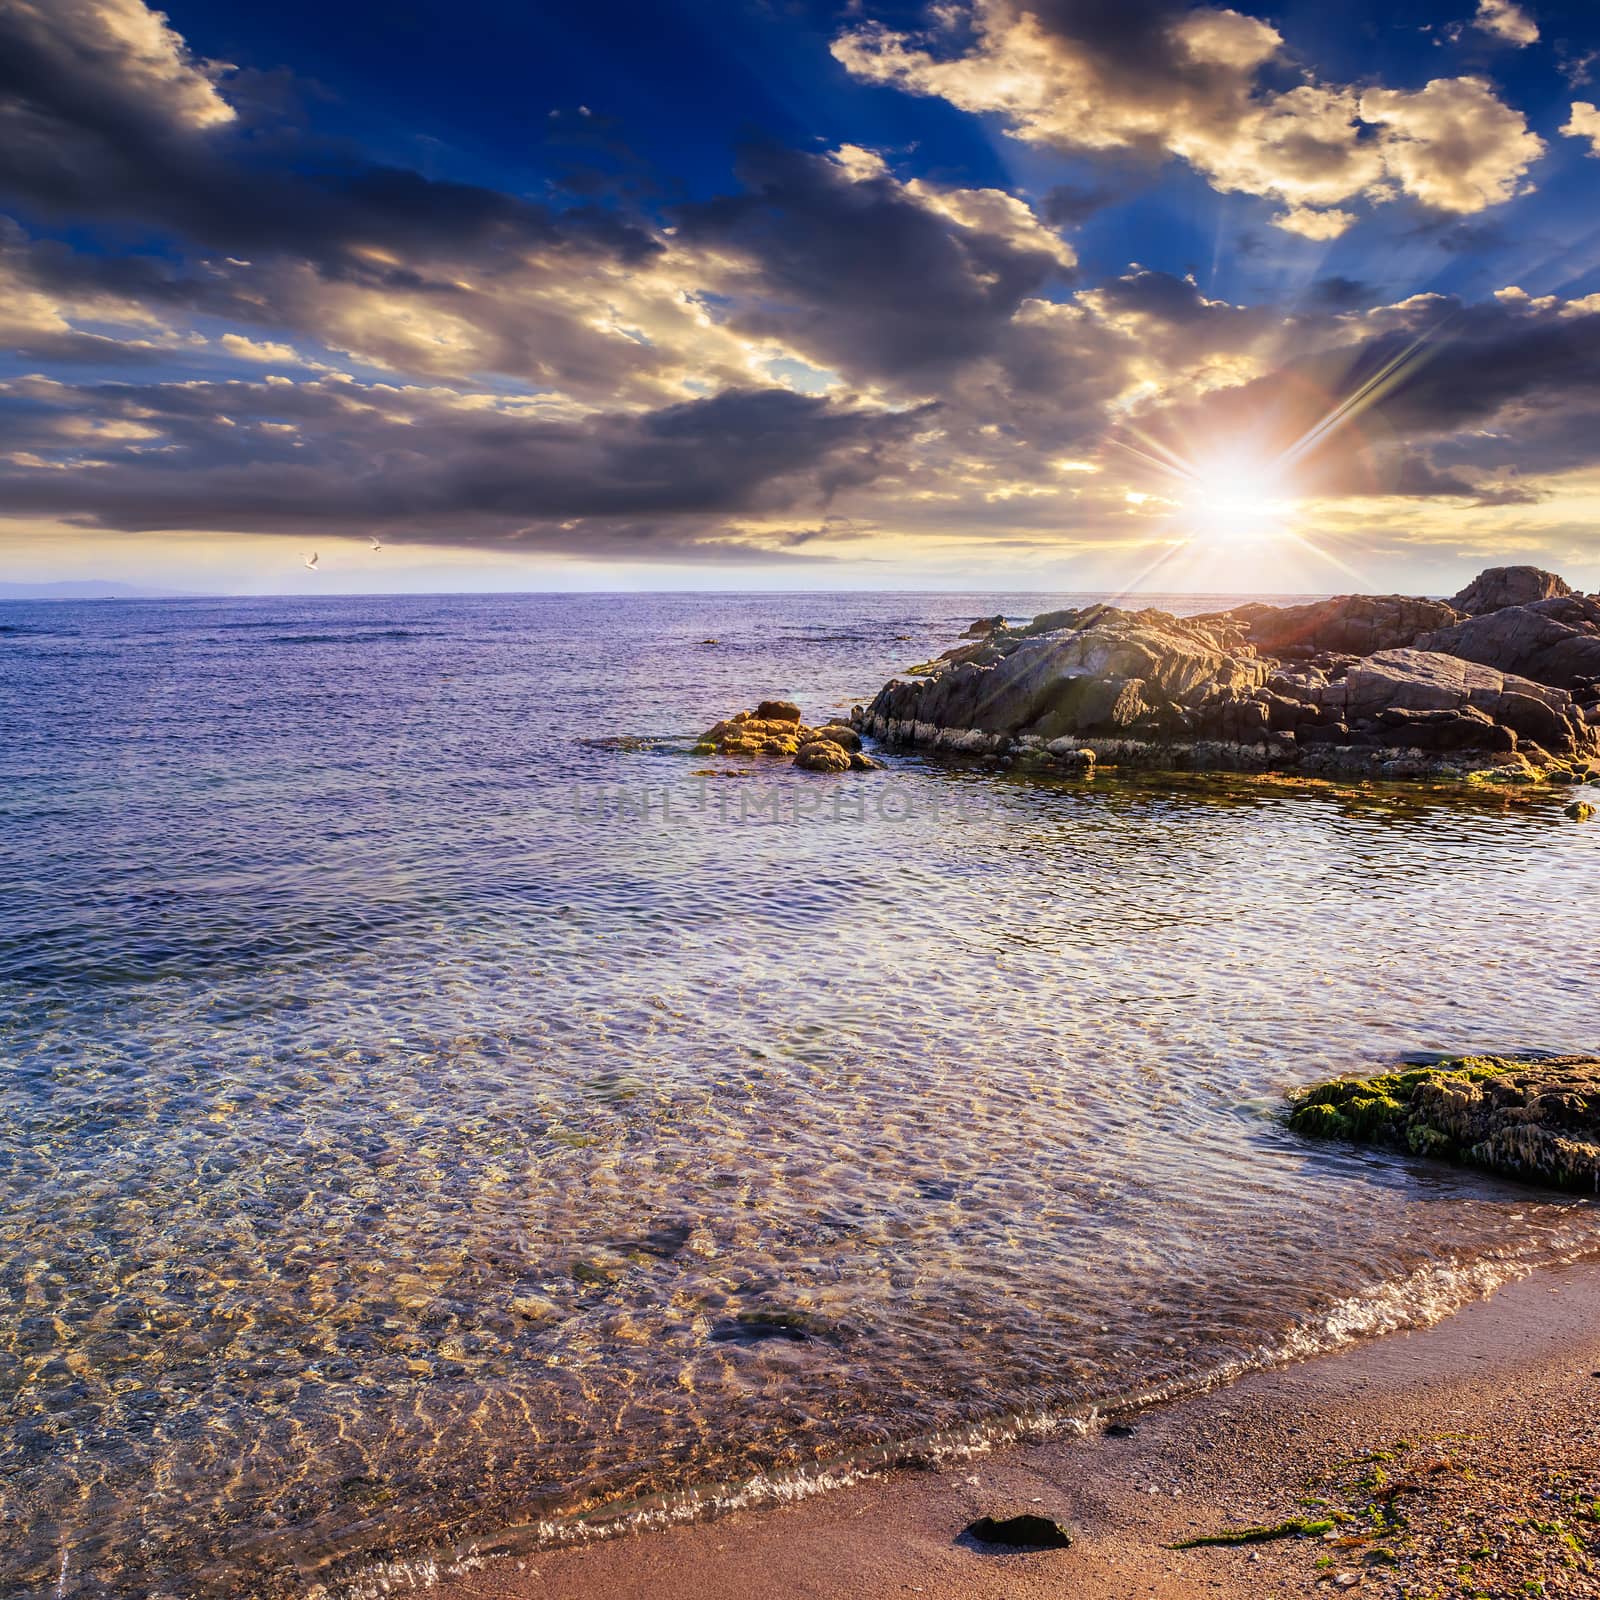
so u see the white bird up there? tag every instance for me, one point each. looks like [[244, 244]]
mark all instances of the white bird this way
[[311, 560], [375, 544]]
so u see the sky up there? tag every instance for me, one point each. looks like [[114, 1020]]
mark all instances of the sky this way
[[779, 294]]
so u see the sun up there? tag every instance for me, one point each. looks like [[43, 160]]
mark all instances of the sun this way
[[1236, 500]]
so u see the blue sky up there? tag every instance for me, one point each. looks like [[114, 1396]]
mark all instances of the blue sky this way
[[1074, 293]]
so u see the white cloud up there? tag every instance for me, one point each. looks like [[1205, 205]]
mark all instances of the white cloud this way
[[1452, 144], [263, 350], [1506, 20], [1194, 92], [1312, 224], [1584, 123]]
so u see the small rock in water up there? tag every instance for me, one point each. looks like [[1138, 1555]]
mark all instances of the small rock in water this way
[[822, 755], [1029, 1531], [1580, 811]]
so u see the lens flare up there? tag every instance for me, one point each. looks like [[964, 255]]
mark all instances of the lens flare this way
[[1236, 500]]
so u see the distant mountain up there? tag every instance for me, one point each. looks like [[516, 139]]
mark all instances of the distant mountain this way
[[87, 589]]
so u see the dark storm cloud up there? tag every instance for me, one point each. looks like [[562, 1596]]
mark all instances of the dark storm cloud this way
[[348, 457], [863, 274]]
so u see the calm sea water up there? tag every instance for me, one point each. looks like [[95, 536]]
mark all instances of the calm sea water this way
[[432, 1109]]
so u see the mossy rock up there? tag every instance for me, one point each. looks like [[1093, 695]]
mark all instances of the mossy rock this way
[[1537, 1119]]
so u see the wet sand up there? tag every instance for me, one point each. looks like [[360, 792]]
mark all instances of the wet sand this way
[[1466, 1457]]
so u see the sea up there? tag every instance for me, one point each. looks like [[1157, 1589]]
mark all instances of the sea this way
[[441, 1115]]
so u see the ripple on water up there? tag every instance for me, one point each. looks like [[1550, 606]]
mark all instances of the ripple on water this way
[[398, 1152]]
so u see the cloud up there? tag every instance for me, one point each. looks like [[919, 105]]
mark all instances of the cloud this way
[[1481, 395], [882, 280], [1584, 123], [1507, 21], [1160, 78], [262, 350], [276, 455], [1310, 223], [836, 347], [109, 65], [1069, 205], [1453, 144]]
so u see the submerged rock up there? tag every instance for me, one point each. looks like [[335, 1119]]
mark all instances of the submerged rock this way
[[1361, 686], [1534, 1119]]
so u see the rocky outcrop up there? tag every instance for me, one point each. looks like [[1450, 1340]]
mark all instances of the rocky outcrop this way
[[1538, 1120], [1554, 641], [1356, 687], [1351, 624], [1498, 587], [774, 728], [1073, 671]]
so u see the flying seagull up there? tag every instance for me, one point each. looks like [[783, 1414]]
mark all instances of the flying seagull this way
[[375, 544], [311, 560]]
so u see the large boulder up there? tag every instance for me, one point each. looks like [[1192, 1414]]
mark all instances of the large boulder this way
[[1554, 641], [1350, 624], [1096, 669], [1495, 588], [1430, 681]]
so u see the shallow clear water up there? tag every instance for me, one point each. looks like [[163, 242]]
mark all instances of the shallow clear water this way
[[432, 1107]]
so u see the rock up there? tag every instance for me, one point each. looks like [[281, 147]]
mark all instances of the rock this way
[[1498, 587], [1097, 669], [1554, 642], [984, 626], [1024, 1531], [1536, 1119], [1071, 758], [1362, 696], [1425, 680], [823, 755], [1354, 623], [778, 711], [748, 734], [1580, 811], [835, 747]]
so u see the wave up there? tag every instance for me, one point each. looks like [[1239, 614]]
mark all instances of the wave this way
[[1420, 1300], [350, 638]]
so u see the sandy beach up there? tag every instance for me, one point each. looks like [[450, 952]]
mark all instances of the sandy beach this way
[[1466, 1457]]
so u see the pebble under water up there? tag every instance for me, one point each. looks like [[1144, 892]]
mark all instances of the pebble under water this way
[[436, 1110]]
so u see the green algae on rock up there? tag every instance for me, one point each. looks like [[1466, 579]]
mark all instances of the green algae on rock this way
[[1533, 1119], [1294, 1528]]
